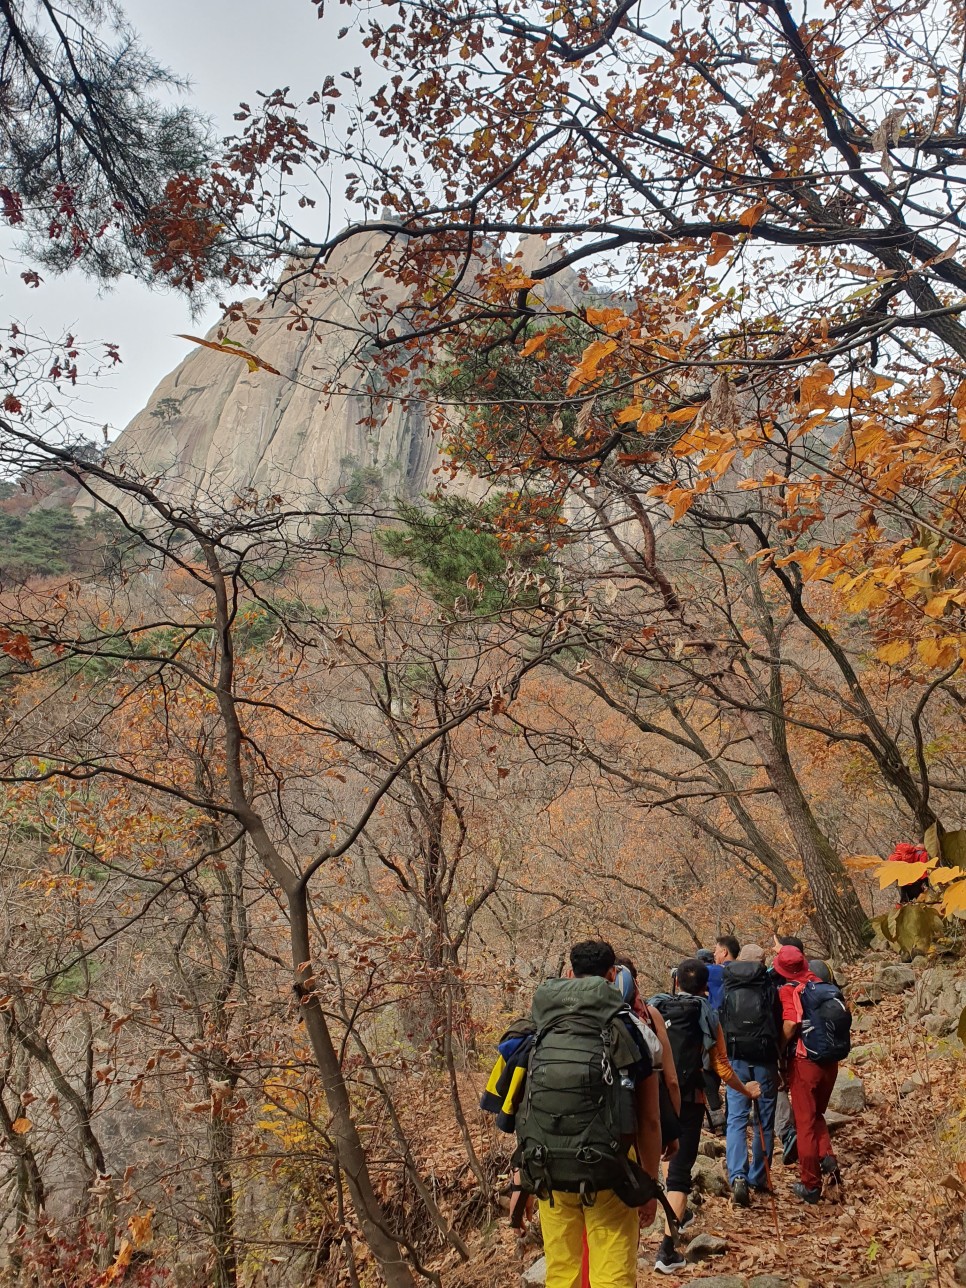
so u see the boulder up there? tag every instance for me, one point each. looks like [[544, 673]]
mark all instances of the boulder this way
[[895, 977], [717, 1281], [704, 1246], [536, 1274], [834, 1121], [862, 1054], [713, 1147], [938, 1000], [708, 1177], [848, 1094], [912, 1084], [959, 1270], [768, 1281]]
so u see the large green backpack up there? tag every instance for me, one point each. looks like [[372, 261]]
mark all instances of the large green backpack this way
[[577, 1119]]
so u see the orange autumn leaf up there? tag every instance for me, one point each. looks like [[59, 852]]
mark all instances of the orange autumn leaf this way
[[748, 218], [255, 363], [721, 243]]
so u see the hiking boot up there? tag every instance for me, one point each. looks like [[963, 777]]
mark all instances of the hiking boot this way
[[669, 1261], [801, 1191], [689, 1218], [763, 1188], [739, 1192], [790, 1149]]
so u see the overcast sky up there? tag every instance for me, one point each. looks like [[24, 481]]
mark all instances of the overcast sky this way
[[228, 49]]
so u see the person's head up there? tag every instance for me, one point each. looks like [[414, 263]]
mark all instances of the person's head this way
[[593, 957], [821, 971], [752, 953], [622, 960], [705, 955], [788, 941], [693, 977], [790, 964], [726, 949]]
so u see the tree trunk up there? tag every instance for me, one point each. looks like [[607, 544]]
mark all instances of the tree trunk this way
[[222, 1202], [838, 914], [351, 1154]]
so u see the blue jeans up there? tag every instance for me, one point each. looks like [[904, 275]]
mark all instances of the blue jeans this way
[[740, 1114]]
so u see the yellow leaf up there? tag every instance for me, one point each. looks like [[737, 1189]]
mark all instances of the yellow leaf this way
[[937, 605], [942, 876], [21, 1126], [682, 414], [954, 899], [902, 874], [533, 344], [937, 653], [895, 652], [869, 596]]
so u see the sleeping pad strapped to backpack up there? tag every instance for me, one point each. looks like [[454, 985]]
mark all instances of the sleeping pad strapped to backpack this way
[[748, 1013], [577, 1119]]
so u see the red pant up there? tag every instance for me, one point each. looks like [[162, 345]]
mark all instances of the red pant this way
[[810, 1087]]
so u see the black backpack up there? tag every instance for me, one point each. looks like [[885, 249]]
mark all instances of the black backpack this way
[[826, 1022], [748, 1013], [682, 1019], [577, 1120]]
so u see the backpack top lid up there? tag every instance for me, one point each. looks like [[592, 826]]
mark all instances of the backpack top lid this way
[[589, 997], [741, 974]]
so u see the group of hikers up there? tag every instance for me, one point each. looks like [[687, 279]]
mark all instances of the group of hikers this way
[[601, 1085]]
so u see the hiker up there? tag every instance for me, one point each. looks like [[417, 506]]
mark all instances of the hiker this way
[[751, 1019], [726, 949], [906, 853], [669, 1090], [588, 1147], [816, 1024], [784, 1119], [694, 1032]]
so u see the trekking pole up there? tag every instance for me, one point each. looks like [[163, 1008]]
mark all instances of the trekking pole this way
[[764, 1155]]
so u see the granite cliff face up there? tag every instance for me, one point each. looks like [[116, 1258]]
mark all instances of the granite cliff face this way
[[212, 429]]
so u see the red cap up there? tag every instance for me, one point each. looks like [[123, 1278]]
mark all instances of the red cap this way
[[791, 964]]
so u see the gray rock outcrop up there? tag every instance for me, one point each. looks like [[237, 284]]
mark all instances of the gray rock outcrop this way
[[848, 1095], [213, 429], [937, 1000], [704, 1246], [341, 417], [536, 1274]]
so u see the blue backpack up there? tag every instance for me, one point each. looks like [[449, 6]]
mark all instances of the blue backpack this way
[[826, 1022]]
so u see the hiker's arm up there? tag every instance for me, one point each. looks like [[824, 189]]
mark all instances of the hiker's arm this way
[[789, 1030], [722, 1067], [670, 1074], [648, 1125]]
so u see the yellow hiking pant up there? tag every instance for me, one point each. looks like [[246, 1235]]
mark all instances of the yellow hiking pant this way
[[612, 1233]]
